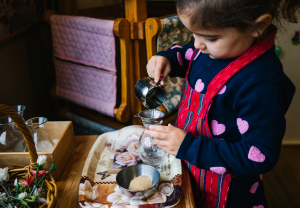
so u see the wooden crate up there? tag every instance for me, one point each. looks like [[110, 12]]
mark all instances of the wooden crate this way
[[60, 130]]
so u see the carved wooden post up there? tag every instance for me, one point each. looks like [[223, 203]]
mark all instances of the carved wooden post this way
[[136, 14]]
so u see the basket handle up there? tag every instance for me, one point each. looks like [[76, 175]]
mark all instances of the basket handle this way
[[23, 128]]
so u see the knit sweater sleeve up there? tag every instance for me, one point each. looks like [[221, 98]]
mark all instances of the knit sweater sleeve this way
[[178, 57], [260, 120]]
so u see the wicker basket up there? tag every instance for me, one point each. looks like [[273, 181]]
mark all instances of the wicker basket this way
[[21, 171]]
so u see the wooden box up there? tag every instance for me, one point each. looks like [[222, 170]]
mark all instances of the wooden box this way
[[60, 130]]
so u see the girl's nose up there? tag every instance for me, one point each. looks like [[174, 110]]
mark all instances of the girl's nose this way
[[202, 46], [199, 44]]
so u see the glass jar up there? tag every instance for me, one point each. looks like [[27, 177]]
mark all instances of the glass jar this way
[[150, 153], [43, 143], [11, 138]]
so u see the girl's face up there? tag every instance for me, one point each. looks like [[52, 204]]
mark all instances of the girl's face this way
[[220, 43]]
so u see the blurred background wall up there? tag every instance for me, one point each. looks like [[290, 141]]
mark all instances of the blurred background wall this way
[[27, 72], [290, 59], [86, 4]]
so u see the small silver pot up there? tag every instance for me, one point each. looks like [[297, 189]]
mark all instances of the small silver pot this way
[[126, 175], [151, 94]]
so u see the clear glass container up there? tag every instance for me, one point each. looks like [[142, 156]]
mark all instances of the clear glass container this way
[[11, 138], [150, 153], [19, 109], [43, 143]]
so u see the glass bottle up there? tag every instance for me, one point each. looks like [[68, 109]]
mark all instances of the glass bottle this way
[[150, 153], [43, 143], [11, 139], [19, 109]]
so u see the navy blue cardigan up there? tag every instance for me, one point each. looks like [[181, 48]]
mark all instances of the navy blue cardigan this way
[[252, 108]]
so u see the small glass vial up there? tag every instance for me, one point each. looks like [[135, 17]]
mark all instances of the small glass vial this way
[[43, 143]]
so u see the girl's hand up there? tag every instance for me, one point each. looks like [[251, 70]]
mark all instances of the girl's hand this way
[[168, 138], [158, 65]]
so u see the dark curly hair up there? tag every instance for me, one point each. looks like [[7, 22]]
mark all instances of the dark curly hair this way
[[240, 14]]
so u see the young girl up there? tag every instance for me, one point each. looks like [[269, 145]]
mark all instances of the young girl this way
[[230, 120]]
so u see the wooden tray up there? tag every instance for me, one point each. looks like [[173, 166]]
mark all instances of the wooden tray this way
[[98, 187], [60, 130]]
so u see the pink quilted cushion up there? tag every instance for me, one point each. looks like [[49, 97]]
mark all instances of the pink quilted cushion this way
[[84, 40], [89, 43], [86, 86]]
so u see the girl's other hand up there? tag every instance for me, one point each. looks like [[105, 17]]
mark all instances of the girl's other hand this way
[[158, 65], [168, 138]]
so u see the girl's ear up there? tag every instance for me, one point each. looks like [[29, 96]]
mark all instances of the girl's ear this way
[[262, 22]]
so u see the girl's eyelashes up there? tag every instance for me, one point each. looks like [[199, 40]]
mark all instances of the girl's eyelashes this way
[[210, 40]]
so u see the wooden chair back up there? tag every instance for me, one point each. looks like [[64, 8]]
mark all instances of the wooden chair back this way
[[123, 111]]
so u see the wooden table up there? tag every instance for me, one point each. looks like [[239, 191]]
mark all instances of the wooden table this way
[[68, 183]]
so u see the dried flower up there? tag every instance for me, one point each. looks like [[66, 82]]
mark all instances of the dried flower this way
[[30, 191], [4, 174], [37, 192], [3, 196], [26, 182], [22, 195], [41, 160], [16, 184]]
